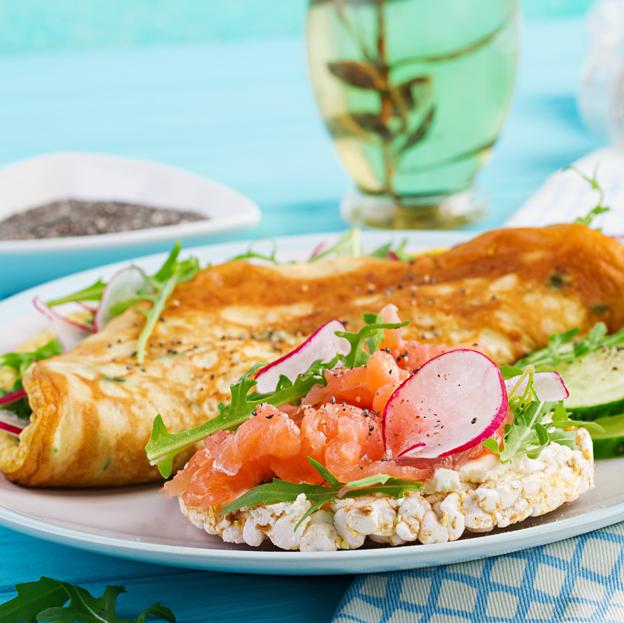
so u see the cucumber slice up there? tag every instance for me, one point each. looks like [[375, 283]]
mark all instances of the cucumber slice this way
[[610, 442], [596, 384]]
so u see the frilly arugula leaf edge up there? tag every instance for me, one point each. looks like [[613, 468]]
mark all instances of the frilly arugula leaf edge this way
[[54, 601], [284, 491]]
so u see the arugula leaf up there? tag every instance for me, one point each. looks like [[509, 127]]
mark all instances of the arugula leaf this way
[[250, 254], [509, 372], [387, 250], [367, 340], [283, 491], [32, 598], [564, 437], [159, 288], [562, 348], [535, 424], [90, 293], [348, 245], [599, 208], [19, 362], [163, 446], [525, 435], [47, 600], [561, 419]]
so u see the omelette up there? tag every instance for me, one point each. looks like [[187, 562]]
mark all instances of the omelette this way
[[504, 292]]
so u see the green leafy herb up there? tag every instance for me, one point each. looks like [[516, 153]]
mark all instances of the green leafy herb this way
[[61, 602], [599, 208], [561, 419], [509, 372], [250, 254], [535, 424], [591, 215], [563, 348], [348, 245], [388, 250], [319, 495], [366, 341], [91, 293], [163, 446], [19, 363], [157, 290]]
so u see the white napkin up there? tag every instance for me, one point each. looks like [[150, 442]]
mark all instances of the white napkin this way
[[566, 195]]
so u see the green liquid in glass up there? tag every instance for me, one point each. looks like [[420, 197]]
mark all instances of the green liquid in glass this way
[[413, 92]]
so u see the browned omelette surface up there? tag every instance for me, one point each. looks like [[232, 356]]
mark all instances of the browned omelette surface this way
[[505, 291]]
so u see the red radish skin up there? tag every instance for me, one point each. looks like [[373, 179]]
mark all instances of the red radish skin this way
[[12, 397], [317, 249], [322, 345], [69, 332], [549, 386], [451, 404], [11, 423]]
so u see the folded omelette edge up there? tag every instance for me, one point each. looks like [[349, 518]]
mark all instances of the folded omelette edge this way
[[505, 292]]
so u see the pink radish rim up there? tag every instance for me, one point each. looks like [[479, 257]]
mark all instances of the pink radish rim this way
[[493, 427], [297, 349], [51, 314], [97, 316], [9, 428], [565, 387], [317, 249], [554, 373], [12, 397]]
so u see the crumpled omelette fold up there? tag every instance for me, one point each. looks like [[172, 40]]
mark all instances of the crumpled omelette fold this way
[[505, 291]]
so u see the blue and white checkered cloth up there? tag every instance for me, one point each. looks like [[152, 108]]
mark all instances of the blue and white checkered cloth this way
[[577, 580]]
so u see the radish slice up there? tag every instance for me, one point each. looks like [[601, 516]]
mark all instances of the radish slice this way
[[322, 345], [123, 286], [317, 249], [12, 397], [89, 308], [12, 424], [69, 332], [549, 386], [452, 403]]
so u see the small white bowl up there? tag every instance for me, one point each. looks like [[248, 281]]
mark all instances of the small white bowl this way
[[98, 177]]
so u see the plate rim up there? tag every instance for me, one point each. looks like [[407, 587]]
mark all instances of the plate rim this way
[[300, 563], [232, 560]]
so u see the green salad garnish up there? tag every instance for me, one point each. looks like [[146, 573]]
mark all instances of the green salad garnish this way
[[284, 491], [164, 446], [61, 602]]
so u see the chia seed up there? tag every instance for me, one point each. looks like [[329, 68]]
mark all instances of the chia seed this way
[[73, 217]]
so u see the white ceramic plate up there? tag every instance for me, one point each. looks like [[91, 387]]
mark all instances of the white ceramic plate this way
[[100, 177], [140, 523]]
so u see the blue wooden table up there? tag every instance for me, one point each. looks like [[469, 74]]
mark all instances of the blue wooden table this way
[[242, 113]]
